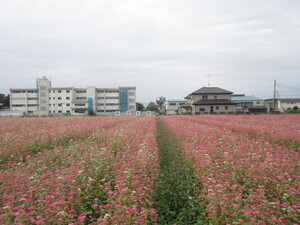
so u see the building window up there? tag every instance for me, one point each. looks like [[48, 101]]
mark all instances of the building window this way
[[100, 104], [68, 111], [202, 109], [67, 98], [59, 98], [68, 104], [32, 105], [53, 98], [100, 91], [132, 101], [17, 92], [217, 107], [131, 107], [226, 107], [112, 97], [100, 98], [216, 96], [31, 91], [100, 110], [172, 103], [81, 92], [79, 104], [59, 111], [18, 105], [204, 96], [59, 91], [68, 91], [80, 98], [131, 93], [59, 104]]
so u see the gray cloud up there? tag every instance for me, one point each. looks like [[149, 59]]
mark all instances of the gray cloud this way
[[162, 47]]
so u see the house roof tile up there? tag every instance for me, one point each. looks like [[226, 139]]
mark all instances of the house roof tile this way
[[211, 90]]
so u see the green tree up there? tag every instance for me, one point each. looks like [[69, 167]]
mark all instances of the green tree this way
[[140, 107], [151, 107], [161, 104], [4, 101]]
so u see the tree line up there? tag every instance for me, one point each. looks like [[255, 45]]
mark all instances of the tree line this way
[[157, 106]]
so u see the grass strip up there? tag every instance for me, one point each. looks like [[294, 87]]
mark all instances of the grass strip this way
[[177, 193]]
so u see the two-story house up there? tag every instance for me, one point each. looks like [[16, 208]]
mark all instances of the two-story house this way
[[210, 100]]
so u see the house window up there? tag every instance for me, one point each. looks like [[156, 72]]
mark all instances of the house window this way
[[226, 107], [204, 96]]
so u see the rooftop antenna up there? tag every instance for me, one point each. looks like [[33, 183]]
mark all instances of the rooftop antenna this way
[[208, 78]]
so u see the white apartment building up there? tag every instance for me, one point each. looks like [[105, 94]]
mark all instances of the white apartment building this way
[[47, 100], [172, 106], [282, 104]]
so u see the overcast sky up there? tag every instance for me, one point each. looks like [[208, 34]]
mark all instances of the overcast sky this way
[[163, 47]]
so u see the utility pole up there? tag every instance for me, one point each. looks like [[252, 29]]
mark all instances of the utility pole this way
[[274, 96]]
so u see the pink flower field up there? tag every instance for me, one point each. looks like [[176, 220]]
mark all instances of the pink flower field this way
[[246, 180], [104, 170], [106, 178]]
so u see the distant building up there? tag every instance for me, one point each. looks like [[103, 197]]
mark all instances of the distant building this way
[[47, 100], [248, 104], [281, 104], [172, 106], [210, 100]]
